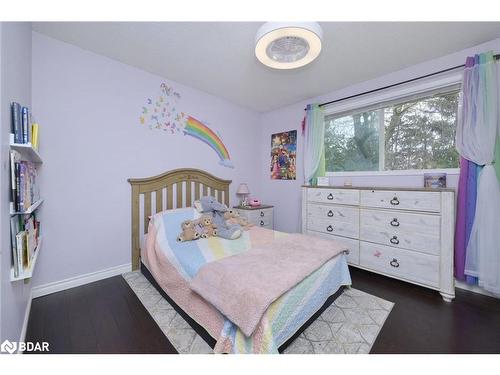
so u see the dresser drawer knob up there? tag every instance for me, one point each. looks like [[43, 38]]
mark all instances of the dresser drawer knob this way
[[261, 223], [395, 222], [394, 240], [329, 228], [395, 201], [261, 214], [330, 196], [330, 213], [394, 263]]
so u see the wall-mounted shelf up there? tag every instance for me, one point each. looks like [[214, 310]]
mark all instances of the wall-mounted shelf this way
[[27, 152], [28, 273], [24, 165], [30, 209]]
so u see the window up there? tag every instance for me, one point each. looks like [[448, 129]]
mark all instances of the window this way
[[410, 134]]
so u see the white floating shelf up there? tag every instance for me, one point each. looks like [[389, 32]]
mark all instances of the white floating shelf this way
[[28, 273], [27, 152], [30, 209]]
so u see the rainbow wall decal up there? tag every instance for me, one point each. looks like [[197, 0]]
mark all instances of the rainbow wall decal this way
[[199, 130], [163, 113]]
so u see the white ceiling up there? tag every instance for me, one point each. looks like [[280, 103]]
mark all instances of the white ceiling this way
[[218, 57]]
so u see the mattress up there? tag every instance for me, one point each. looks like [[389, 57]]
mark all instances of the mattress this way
[[174, 264]]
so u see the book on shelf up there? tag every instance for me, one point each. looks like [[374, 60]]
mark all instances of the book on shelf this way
[[24, 183], [14, 230], [17, 127], [25, 124], [20, 251], [34, 136], [23, 129], [25, 232], [14, 157]]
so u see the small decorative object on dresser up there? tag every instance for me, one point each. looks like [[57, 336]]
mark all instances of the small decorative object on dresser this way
[[402, 233], [255, 203], [434, 180], [323, 181], [261, 216]]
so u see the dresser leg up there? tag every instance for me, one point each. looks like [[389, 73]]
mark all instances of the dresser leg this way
[[447, 297]]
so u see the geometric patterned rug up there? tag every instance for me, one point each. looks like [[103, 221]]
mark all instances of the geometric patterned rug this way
[[349, 326]]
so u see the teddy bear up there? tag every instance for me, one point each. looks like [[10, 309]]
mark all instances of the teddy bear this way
[[189, 232], [209, 206], [232, 217], [243, 222], [209, 229]]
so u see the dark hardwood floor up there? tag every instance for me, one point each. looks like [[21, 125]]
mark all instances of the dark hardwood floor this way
[[107, 317], [101, 317], [421, 322]]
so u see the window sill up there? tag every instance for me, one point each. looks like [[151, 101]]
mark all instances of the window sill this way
[[410, 172]]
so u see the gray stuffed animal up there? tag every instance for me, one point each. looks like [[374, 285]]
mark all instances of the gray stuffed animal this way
[[210, 206]]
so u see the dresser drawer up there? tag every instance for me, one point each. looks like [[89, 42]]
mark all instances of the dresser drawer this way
[[255, 215], [419, 232], [339, 196], [339, 213], [404, 264], [262, 222], [262, 217], [350, 244], [402, 200], [333, 226]]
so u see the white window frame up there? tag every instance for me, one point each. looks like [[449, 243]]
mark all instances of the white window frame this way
[[396, 93]]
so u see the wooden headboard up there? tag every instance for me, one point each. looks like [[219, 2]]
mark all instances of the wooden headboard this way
[[174, 189]]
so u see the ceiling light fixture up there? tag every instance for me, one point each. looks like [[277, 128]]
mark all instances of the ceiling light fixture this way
[[288, 45]]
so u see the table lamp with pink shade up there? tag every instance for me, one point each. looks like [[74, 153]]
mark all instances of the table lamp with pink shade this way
[[243, 192]]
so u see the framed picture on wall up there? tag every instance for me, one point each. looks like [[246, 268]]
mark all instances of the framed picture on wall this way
[[283, 155]]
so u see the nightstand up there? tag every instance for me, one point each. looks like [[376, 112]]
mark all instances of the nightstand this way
[[261, 216]]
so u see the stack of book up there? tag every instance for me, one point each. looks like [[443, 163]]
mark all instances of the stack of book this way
[[24, 130], [24, 183], [24, 233]]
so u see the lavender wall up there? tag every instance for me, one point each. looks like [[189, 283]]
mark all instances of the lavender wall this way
[[88, 108], [285, 195], [15, 85]]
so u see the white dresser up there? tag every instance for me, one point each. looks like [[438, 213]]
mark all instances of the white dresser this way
[[261, 216], [402, 233]]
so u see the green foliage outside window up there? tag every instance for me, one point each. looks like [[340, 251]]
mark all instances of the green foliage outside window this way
[[418, 134]]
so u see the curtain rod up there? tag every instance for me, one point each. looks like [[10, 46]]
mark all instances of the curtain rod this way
[[496, 57]]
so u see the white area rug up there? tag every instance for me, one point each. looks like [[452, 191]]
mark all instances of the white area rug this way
[[349, 326]]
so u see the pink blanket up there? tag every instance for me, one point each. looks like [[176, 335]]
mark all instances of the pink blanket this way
[[243, 286]]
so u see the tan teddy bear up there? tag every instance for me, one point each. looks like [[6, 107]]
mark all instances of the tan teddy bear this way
[[233, 217], [209, 228], [243, 221], [189, 232]]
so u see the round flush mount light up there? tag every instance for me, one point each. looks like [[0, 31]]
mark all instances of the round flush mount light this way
[[284, 45]]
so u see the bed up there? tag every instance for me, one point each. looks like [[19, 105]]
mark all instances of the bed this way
[[159, 204]]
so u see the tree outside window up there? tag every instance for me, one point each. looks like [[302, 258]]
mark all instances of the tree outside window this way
[[417, 134]]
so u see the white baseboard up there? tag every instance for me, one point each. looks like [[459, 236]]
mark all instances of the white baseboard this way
[[474, 289], [72, 282]]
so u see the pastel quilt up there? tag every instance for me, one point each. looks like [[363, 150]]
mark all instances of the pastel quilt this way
[[175, 264]]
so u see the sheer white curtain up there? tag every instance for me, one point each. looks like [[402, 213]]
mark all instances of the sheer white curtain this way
[[314, 143], [477, 129]]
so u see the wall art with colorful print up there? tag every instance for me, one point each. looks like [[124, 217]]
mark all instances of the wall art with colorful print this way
[[284, 155]]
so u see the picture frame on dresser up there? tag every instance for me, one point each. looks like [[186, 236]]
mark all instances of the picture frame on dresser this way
[[403, 233]]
